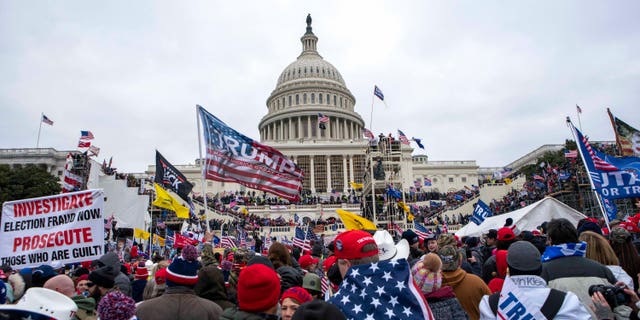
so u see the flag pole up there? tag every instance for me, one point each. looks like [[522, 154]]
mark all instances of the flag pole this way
[[373, 97], [615, 131], [204, 194], [40, 128], [593, 188], [578, 112]]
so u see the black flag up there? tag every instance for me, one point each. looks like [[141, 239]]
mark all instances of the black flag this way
[[169, 177]]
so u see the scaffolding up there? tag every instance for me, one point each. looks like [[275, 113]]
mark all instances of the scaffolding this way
[[383, 171]]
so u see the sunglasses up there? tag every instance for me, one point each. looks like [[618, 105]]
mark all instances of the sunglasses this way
[[90, 284]]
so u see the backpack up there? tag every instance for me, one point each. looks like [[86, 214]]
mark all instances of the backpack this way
[[549, 308]]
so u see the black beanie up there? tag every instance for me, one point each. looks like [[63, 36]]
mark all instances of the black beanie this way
[[103, 277], [318, 310]]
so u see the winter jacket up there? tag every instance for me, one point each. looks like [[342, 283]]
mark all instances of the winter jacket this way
[[235, 314], [535, 290], [178, 302], [622, 275], [468, 288], [289, 277], [137, 289], [444, 305], [576, 274], [86, 307]]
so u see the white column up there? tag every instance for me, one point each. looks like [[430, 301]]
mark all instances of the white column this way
[[344, 174], [351, 174], [328, 174], [312, 175]]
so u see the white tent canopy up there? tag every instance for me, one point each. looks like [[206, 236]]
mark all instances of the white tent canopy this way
[[526, 219]]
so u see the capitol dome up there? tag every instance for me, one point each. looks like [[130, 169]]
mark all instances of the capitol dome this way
[[309, 89]]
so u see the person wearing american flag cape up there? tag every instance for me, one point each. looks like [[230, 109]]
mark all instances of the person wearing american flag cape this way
[[373, 289]]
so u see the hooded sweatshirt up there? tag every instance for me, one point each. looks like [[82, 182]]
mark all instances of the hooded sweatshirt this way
[[468, 288], [211, 285], [121, 280]]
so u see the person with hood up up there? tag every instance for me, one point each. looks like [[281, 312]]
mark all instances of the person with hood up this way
[[211, 281], [121, 280]]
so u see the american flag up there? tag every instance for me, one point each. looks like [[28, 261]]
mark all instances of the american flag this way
[[421, 230], [234, 157], [445, 227], [94, 151], [86, 135], [379, 290], [324, 283], [571, 154], [403, 138], [170, 236], [311, 235], [84, 144], [378, 93], [227, 242], [598, 162], [368, 134], [267, 241], [300, 240], [427, 182], [322, 118], [71, 181], [47, 120]]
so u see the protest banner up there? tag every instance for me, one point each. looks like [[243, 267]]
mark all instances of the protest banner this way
[[68, 228]]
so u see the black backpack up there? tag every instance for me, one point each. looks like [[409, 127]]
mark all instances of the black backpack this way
[[549, 308]]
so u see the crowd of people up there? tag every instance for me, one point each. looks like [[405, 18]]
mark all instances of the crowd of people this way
[[559, 270]]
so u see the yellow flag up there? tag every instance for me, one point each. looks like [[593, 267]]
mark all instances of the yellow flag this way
[[158, 240], [410, 217], [244, 210], [356, 186], [141, 234], [507, 180], [353, 221], [165, 200], [403, 206]]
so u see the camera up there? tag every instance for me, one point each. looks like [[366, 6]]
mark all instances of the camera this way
[[614, 295]]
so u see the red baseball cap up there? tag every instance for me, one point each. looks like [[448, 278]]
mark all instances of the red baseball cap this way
[[349, 244], [307, 260], [328, 262], [506, 234]]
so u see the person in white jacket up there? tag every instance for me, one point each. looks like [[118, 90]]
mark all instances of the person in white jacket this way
[[525, 293]]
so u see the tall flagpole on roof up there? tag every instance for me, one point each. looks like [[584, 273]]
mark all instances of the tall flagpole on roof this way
[[584, 161], [202, 163], [42, 115], [373, 97], [578, 112]]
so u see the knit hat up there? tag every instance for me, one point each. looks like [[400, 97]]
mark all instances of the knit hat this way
[[349, 245], [115, 305], [427, 273], [619, 235], [523, 256], [261, 260], [103, 277], [299, 294], [589, 226], [410, 236], [450, 258], [41, 303], [183, 272], [307, 260], [141, 273], [506, 234], [311, 281], [447, 239], [318, 310], [258, 288], [82, 277]]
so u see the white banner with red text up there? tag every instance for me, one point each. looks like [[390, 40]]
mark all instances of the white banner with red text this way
[[68, 228]]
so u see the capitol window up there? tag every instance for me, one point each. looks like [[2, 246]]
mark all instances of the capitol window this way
[[297, 99], [313, 98], [289, 101], [335, 103], [320, 98], [341, 102], [304, 98], [328, 99]]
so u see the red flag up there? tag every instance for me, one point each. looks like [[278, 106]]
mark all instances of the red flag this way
[[84, 144]]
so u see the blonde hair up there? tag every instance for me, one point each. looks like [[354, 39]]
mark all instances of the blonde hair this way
[[599, 249]]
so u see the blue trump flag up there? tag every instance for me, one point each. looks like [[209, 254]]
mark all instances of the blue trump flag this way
[[380, 290], [480, 212], [611, 177]]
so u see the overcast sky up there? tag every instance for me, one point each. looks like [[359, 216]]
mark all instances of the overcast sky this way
[[476, 80]]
